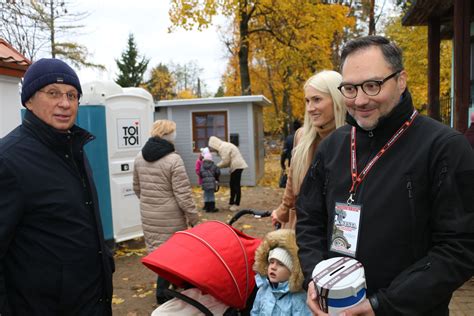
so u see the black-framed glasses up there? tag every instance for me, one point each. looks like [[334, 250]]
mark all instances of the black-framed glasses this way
[[56, 95], [370, 87]]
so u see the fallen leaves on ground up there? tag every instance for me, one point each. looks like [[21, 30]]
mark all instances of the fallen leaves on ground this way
[[127, 252], [141, 293], [117, 300], [272, 171]]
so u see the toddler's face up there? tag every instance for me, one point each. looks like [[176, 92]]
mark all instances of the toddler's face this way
[[277, 271]]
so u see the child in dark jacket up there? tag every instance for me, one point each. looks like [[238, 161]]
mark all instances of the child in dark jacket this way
[[210, 176]]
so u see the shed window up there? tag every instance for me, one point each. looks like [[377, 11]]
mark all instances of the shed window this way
[[206, 124]]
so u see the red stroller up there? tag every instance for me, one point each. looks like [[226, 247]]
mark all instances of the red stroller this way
[[213, 257]]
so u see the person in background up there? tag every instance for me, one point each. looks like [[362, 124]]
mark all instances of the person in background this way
[[232, 158], [197, 168], [210, 177], [324, 113], [405, 184], [54, 260], [161, 183], [288, 146], [279, 277], [470, 131]]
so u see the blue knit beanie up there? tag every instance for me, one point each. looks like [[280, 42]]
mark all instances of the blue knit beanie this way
[[44, 72]]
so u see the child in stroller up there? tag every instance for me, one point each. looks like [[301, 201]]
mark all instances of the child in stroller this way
[[279, 276], [214, 258]]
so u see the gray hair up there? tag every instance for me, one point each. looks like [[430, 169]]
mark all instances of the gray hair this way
[[391, 52]]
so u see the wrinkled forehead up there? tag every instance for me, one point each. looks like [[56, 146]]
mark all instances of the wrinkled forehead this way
[[364, 64]]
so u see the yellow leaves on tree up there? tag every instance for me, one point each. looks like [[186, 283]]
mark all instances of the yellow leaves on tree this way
[[279, 43], [300, 38], [193, 13], [186, 94], [413, 41], [161, 84]]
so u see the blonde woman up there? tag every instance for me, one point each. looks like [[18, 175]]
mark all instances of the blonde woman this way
[[325, 111], [161, 183]]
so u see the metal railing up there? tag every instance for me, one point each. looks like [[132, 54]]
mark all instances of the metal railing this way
[[445, 110]]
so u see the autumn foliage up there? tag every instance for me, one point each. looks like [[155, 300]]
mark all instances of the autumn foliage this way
[[281, 43], [413, 40]]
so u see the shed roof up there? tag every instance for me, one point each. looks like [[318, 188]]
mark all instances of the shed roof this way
[[258, 99], [12, 63]]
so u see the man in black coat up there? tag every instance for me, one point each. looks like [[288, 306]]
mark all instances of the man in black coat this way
[[405, 184], [54, 260]]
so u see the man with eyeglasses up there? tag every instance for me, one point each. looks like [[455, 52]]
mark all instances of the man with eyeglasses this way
[[53, 258], [405, 183]]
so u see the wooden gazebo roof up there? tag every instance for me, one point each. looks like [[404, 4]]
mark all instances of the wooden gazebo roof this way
[[422, 10], [12, 63]]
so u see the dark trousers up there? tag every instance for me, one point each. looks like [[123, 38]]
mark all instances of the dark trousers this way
[[161, 286], [234, 184]]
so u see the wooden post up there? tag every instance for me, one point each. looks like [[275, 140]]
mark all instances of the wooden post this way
[[461, 41], [433, 68]]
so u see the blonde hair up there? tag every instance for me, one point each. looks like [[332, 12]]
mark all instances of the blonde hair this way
[[161, 128], [325, 81]]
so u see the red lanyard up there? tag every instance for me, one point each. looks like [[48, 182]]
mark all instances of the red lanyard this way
[[357, 179]]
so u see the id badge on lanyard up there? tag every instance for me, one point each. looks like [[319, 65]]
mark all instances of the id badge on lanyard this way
[[345, 230]]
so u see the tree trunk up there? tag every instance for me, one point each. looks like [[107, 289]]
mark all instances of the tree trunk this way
[[372, 18], [286, 104], [244, 51], [272, 90], [51, 28]]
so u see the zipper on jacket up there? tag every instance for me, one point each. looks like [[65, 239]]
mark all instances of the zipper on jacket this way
[[325, 187], [412, 205], [312, 169], [411, 274], [409, 188], [371, 134], [442, 174]]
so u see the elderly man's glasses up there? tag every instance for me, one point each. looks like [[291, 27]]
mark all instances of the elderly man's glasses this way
[[370, 87], [56, 95]]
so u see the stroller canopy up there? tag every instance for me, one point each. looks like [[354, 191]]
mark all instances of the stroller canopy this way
[[213, 256]]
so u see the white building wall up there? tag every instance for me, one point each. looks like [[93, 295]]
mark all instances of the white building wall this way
[[10, 104]]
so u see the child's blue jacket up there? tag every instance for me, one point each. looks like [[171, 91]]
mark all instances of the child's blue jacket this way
[[278, 301]]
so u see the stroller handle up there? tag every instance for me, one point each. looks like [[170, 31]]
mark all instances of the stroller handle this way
[[255, 213]]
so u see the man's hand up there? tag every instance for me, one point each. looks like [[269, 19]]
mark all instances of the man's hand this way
[[362, 309], [312, 300]]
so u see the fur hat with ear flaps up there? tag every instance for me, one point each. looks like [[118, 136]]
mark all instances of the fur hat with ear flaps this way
[[282, 238]]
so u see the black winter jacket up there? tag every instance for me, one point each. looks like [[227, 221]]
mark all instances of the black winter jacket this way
[[209, 173], [54, 260], [416, 238]]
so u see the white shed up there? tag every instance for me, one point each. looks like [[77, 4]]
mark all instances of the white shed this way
[[236, 119], [13, 66]]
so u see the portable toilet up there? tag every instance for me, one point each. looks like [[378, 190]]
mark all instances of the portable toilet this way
[[121, 119]]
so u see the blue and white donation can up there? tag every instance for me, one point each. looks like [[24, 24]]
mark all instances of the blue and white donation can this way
[[340, 283]]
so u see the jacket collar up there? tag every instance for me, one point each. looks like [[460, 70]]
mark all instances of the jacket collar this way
[[262, 281], [51, 137], [393, 121], [156, 148]]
